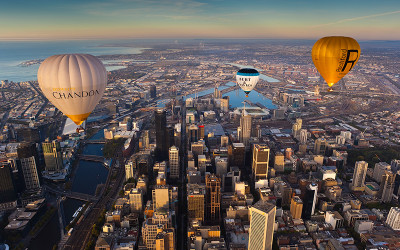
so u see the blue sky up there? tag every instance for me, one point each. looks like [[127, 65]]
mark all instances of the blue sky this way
[[297, 19]]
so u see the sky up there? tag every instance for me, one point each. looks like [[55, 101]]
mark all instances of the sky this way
[[258, 19]]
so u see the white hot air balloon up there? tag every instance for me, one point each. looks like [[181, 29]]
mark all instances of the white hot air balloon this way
[[247, 79], [74, 83]]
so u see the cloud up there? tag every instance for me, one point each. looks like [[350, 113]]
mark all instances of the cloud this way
[[357, 18]]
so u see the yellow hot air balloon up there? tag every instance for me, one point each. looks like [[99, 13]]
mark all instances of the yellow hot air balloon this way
[[74, 83], [335, 56]]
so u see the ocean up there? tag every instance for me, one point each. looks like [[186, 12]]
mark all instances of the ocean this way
[[14, 53]]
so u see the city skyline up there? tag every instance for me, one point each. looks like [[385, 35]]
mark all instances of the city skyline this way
[[136, 19]]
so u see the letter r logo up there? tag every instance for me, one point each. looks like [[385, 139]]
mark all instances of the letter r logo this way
[[348, 60]]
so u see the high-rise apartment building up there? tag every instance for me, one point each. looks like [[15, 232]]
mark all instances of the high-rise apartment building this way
[[262, 220], [379, 170], [360, 171], [303, 136], [309, 201], [195, 201], [174, 162], [213, 198], [52, 155], [260, 161], [393, 218], [387, 186]]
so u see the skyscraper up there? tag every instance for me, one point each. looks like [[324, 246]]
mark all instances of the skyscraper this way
[[174, 162], [28, 165], [303, 136], [296, 207], [393, 218], [153, 91], [245, 125], [320, 146], [7, 185], [387, 186], [379, 170], [237, 152], [162, 137], [196, 199], [161, 198], [136, 200], [309, 201], [213, 198], [262, 222], [260, 161], [193, 133], [360, 171], [52, 155]]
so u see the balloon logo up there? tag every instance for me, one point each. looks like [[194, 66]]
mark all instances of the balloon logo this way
[[335, 56], [73, 83], [247, 79]]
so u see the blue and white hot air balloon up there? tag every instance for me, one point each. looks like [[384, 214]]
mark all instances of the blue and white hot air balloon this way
[[247, 79]]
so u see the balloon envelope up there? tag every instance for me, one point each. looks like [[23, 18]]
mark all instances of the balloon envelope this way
[[74, 83], [335, 56], [247, 79]]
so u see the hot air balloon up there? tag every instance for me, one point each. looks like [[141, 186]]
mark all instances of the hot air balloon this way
[[74, 83], [247, 79], [334, 57]]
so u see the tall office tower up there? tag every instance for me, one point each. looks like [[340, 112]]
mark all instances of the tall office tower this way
[[197, 148], [340, 140], [395, 165], [295, 130], [165, 240], [387, 186], [136, 200], [195, 201], [153, 91], [299, 122], [287, 195], [171, 136], [260, 161], [7, 185], [320, 146], [237, 152], [224, 141], [213, 198], [262, 220], [52, 155], [360, 171], [201, 132], [393, 218], [193, 133], [28, 165], [174, 162], [161, 134], [309, 201], [162, 195], [245, 125], [379, 170], [129, 169], [296, 207], [279, 162], [221, 165], [152, 227], [146, 139], [303, 136], [225, 104]]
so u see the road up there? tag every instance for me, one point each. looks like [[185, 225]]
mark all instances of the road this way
[[182, 220]]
